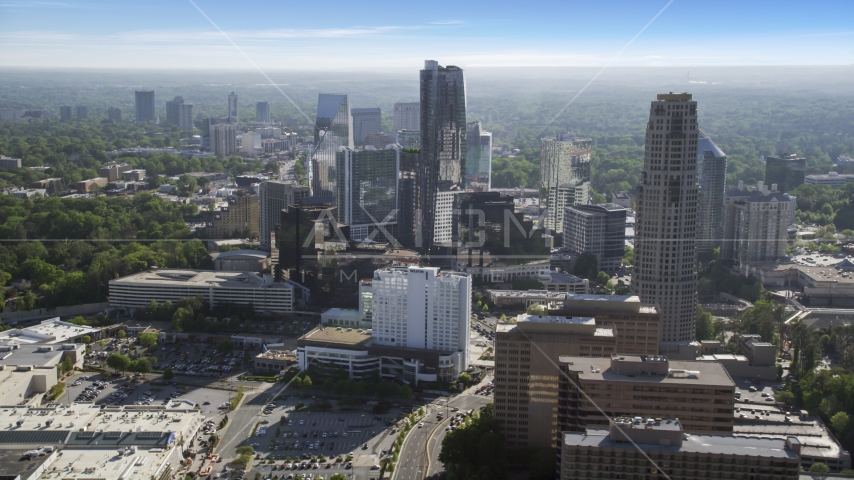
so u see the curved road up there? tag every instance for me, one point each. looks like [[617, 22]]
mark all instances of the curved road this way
[[419, 458]]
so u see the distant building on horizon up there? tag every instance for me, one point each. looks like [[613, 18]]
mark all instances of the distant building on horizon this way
[[406, 116], [366, 121], [711, 175], [262, 113], [82, 112], [787, 171], [172, 110], [65, 113], [114, 114], [232, 108], [145, 106]]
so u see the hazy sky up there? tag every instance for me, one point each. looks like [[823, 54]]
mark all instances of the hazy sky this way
[[393, 35]]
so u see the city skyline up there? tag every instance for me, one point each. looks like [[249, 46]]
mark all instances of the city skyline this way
[[97, 34]]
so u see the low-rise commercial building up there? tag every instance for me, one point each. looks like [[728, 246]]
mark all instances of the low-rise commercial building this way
[[565, 283], [758, 352], [9, 163], [636, 324], [700, 394], [336, 349], [274, 360], [641, 447], [51, 331], [526, 373], [246, 288], [832, 179], [87, 186], [113, 171], [739, 366]]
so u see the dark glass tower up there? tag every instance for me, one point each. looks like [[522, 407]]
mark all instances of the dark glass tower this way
[[333, 129], [443, 143], [787, 171], [711, 171]]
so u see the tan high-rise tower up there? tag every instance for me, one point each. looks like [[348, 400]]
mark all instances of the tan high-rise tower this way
[[665, 271]]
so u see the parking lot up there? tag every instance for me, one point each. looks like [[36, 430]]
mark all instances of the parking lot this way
[[118, 392], [313, 441]]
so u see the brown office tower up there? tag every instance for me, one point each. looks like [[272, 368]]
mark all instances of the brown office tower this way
[[700, 394], [665, 271], [526, 372], [635, 323]]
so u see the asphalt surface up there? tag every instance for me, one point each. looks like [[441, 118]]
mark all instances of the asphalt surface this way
[[419, 457]]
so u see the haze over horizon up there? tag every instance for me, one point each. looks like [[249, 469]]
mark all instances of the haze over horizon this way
[[391, 36]]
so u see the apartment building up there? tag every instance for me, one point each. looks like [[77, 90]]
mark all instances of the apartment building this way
[[239, 213]]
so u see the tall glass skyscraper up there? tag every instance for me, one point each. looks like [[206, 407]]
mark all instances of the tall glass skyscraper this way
[[787, 171], [665, 271], [478, 157], [332, 129], [443, 143], [367, 191], [711, 176], [564, 175]]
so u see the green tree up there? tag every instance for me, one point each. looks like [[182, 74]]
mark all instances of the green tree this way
[[705, 325], [819, 467], [628, 256], [140, 365], [405, 392], [27, 301], [86, 339], [337, 476], [147, 339], [602, 279], [121, 334], [225, 346], [168, 374], [542, 465], [119, 363], [465, 378], [181, 318], [841, 422], [586, 266], [536, 309], [306, 382], [785, 397]]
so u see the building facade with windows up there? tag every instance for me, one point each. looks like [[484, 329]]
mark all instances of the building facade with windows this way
[[273, 197], [145, 106], [665, 270], [787, 171], [564, 175], [367, 192], [711, 174], [756, 224], [425, 309], [599, 230], [333, 129], [526, 377], [366, 121]]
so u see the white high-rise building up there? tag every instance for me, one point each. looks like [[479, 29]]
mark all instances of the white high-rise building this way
[[665, 271], [564, 175], [273, 197], [421, 308]]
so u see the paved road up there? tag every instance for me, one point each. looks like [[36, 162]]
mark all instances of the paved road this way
[[241, 421], [419, 457]]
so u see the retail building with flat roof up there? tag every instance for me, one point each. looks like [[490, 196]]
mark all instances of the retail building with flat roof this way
[[526, 371], [700, 394], [52, 330]]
